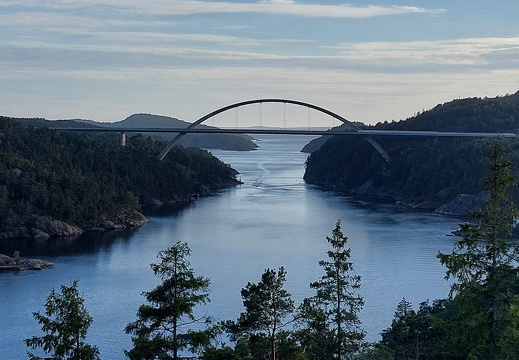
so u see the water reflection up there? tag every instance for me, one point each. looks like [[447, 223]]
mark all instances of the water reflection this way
[[87, 243]]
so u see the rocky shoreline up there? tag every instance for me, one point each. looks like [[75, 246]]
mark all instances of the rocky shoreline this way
[[15, 264], [44, 227], [461, 205]]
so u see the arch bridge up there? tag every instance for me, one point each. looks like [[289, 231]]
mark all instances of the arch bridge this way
[[351, 129], [350, 125]]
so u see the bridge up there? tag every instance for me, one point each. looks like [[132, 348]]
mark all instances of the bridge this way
[[351, 129]]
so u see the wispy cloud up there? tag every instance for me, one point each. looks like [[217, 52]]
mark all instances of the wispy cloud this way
[[156, 49], [463, 52], [279, 7]]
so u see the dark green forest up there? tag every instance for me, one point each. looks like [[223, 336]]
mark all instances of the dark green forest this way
[[87, 180], [428, 171]]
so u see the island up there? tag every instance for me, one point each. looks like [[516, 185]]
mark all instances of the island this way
[[16, 264]]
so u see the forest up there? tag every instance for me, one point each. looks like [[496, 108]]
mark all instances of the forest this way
[[425, 172], [479, 319], [88, 181]]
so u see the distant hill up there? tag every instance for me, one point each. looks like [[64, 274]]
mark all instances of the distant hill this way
[[208, 141], [423, 172]]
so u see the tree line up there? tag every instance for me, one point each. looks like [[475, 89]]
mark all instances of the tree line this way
[[85, 180], [478, 320]]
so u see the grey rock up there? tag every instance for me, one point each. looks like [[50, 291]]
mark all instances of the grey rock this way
[[11, 264], [45, 227], [462, 205]]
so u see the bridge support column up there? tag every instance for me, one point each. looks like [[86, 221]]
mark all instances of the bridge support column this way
[[123, 138]]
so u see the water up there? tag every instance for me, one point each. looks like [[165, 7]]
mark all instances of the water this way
[[272, 220]]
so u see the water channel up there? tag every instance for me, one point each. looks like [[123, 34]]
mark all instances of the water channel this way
[[274, 219]]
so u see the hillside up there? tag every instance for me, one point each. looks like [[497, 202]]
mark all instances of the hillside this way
[[57, 183], [423, 172], [207, 141]]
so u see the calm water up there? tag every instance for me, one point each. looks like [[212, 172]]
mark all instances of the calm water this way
[[272, 220]]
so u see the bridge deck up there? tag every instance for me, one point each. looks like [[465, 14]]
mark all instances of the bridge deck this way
[[253, 131]]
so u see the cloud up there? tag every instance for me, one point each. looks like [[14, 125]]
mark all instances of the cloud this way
[[286, 7], [475, 52], [277, 2], [279, 7], [114, 49]]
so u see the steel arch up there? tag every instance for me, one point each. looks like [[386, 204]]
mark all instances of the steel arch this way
[[352, 126]]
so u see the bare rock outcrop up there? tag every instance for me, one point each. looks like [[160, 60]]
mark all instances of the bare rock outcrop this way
[[13, 264], [45, 227], [38, 227], [462, 205]]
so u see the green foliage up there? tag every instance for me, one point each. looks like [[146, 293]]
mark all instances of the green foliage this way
[[415, 334], [374, 351], [433, 170], [80, 180], [480, 318], [330, 327], [484, 263], [65, 323], [226, 353], [16, 257], [160, 330], [267, 305]]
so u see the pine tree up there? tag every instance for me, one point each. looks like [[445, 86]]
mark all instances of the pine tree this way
[[484, 264], [160, 330], [267, 306], [330, 323], [65, 322]]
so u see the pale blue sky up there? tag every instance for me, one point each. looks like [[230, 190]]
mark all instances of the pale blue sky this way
[[368, 61]]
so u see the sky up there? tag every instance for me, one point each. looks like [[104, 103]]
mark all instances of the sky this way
[[367, 61]]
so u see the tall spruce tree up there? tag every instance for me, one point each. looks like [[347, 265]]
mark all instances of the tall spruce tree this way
[[330, 326], [164, 325], [65, 323], [484, 265]]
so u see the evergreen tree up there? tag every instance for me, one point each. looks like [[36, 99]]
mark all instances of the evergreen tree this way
[[65, 323], [267, 306], [158, 331], [399, 337], [414, 334], [330, 324], [484, 264]]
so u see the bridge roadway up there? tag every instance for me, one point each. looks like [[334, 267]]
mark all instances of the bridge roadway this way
[[254, 131]]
